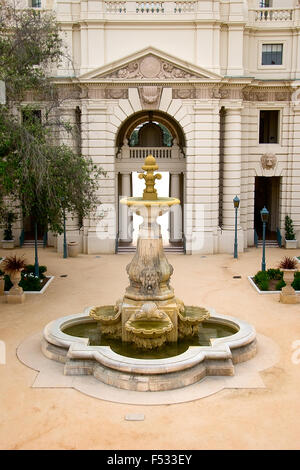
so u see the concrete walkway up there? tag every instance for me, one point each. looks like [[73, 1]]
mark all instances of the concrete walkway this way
[[32, 418]]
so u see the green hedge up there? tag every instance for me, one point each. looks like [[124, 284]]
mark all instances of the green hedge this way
[[29, 282], [262, 279]]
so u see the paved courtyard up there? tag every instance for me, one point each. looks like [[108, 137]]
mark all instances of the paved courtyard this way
[[33, 418]]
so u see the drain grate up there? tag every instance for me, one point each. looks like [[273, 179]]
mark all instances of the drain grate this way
[[237, 277]]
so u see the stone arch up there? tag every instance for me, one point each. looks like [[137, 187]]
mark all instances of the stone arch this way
[[141, 117], [170, 159]]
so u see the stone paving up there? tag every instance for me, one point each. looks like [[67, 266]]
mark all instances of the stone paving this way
[[63, 418]]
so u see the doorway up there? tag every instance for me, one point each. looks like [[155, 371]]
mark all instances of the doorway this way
[[267, 194], [28, 227]]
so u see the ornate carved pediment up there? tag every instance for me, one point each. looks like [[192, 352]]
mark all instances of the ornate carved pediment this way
[[150, 64], [152, 67]]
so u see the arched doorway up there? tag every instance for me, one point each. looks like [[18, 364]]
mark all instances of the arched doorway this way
[[156, 133]]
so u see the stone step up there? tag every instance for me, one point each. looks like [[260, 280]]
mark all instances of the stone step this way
[[268, 243], [29, 243], [167, 249]]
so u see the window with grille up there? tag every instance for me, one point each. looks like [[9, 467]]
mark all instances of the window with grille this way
[[36, 3], [272, 54], [265, 4]]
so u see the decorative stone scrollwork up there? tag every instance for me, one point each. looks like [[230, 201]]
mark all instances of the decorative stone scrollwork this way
[[116, 93], [268, 161], [184, 93], [150, 67], [150, 280], [150, 94]]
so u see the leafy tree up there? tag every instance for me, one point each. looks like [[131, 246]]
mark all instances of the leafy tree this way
[[30, 44], [44, 178]]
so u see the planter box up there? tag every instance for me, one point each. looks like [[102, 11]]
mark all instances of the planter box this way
[[50, 279], [291, 244], [8, 244], [265, 291]]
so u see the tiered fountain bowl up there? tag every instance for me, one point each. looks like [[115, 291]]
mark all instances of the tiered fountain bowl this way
[[149, 317]]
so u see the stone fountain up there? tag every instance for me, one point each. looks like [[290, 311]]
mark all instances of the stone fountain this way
[[149, 313], [149, 317]]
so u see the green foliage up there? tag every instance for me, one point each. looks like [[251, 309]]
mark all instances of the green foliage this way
[[263, 285], [296, 282], [275, 274], [262, 280], [261, 276], [289, 228], [7, 219], [31, 269], [29, 42], [280, 284], [29, 282]]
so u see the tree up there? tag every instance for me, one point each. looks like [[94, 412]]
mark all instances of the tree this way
[[43, 177], [30, 44]]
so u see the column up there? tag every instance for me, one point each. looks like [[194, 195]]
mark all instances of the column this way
[[175, 214], [231, 179], [125, 225]]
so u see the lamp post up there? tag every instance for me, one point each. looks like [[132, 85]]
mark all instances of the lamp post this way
[[264, 213], [236, 203], [65, 236], [65, 249]]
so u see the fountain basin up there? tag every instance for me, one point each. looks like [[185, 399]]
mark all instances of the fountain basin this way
[[130, 373]]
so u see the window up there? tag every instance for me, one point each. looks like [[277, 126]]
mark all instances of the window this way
[[36, 3], [272, 54], [268, 127], [265, 3]]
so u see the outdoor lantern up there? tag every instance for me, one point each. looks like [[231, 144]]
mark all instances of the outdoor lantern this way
[[236, 202], [264, 213]]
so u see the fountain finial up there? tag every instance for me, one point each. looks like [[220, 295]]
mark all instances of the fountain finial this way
[[150, 166]]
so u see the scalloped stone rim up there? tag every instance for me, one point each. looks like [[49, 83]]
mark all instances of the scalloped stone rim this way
[[151, 374]]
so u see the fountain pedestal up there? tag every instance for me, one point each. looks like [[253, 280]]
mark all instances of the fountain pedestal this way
[[149, 274]]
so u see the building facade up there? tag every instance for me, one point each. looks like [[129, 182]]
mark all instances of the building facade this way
[[211, 88]]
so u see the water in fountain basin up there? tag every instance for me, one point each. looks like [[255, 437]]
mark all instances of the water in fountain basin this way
[[207, 330]]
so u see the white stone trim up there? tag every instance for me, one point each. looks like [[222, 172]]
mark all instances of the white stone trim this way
[[50, 279], [78, 348], [265, 291]]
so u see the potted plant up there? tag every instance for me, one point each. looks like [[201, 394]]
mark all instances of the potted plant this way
[[8, 242], [289, 267], [13, 266], [290, 238]]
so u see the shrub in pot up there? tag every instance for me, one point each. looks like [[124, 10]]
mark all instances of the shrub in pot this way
[[290, 237], [8, 242]]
